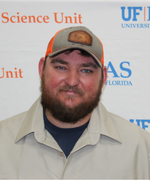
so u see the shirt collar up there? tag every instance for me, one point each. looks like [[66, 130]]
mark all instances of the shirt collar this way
[[33, 122], [100, 123]]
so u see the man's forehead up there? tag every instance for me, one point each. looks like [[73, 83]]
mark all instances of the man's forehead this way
[[83, 56]]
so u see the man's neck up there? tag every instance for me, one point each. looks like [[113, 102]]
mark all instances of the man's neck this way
[[67, 125]]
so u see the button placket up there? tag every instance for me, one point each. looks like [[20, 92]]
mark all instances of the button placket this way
[[61, 163]]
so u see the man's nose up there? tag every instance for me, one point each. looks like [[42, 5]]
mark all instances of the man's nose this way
[[72, 79]]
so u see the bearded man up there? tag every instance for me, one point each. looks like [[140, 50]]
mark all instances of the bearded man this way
[[68, 133]]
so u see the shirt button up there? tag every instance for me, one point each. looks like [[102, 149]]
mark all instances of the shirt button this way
[[61, 154]]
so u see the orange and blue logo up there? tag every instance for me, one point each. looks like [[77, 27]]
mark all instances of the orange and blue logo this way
[[135, 17]]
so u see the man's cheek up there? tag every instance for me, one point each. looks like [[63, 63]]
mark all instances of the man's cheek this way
[[52, 81], [92, 87]]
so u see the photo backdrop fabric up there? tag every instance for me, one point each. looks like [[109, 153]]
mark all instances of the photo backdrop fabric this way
[[123, 27]]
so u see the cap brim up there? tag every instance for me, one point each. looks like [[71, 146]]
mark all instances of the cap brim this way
[[56, 52]]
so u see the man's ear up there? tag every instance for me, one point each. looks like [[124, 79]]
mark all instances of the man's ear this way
[[41, 64], [104, 75]]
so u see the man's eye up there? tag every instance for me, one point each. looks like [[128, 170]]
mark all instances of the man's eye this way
[[86, 71], [60, 68]]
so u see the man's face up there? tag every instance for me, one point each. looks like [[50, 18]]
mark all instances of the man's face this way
[[71, 85]]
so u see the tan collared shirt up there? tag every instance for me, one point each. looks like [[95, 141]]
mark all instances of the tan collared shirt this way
[[110, 148]]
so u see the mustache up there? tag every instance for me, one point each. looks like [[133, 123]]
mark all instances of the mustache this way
[[75, 89]]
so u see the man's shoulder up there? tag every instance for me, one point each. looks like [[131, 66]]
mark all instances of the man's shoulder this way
[[14, 119], [128, 130], [123, 123], [17, 120], [12, 124]]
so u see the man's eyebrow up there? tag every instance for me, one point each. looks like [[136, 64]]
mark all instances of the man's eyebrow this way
[[57, 60], [89, 65]]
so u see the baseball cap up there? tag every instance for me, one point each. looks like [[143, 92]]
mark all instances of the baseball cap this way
[[76, 37]]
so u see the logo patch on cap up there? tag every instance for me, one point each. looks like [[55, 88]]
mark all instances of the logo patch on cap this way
[[81, 37]]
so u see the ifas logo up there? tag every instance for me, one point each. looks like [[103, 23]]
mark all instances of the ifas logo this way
[[135, 17], [119, 75]]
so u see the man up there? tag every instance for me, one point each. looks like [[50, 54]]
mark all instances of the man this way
[[68, 133]]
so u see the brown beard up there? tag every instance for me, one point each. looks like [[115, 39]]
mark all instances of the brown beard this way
[[60, 111]]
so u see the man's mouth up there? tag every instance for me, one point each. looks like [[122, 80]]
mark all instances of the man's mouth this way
[[71, 90]]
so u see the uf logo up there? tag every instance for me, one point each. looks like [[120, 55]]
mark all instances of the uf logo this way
[[130, 11], [141, 122]]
